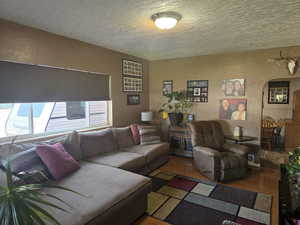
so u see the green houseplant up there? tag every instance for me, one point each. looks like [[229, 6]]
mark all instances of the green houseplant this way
[[22, 204], [176, 106], [293, 167]]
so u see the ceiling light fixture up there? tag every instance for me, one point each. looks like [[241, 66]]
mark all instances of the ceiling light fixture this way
[[166, 20]]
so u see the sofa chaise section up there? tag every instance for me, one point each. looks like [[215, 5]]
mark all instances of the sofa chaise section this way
[[114, 196]]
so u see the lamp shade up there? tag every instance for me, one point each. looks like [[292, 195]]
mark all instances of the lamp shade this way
[[146, 116]]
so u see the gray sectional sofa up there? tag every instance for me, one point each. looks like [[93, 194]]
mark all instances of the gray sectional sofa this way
[[111, 175]]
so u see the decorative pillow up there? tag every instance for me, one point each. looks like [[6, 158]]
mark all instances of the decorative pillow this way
[[149, 135], [59, 162], [25, 161], [123, 136], [70, 143], [97, 142], [135, 133], [31, 177]]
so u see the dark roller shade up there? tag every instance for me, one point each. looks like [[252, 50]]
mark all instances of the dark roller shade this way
[[34, 83]]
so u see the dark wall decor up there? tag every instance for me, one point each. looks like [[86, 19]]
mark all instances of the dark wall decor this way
[[197, 90], [133, 99], [167, 87], [132, 76], [279, 92]]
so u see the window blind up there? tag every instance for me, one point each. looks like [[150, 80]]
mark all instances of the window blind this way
[[34, 83]]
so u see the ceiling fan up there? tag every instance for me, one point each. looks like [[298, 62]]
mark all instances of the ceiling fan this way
[[291, 62]]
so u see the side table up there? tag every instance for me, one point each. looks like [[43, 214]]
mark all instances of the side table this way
[[180, 141]]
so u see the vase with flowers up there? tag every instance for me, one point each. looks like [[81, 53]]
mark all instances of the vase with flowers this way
[[176, 107]]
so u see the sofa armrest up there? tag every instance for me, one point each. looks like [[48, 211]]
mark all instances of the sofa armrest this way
[[242, 150]]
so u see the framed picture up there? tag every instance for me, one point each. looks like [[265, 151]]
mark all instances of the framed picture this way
[[197, 90], [279, 92], [132, 84], [167, 87], [132, 68], [234, 87], [233, 109], [132, 76], [133, 99]]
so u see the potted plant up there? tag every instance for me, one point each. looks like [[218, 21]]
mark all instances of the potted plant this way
[[22, 203], [176, 106]]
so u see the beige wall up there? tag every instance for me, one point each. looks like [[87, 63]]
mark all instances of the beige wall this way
[[281, 111], [23, 44], [253, 66]]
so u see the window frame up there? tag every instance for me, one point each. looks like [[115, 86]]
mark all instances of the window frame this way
[[46, 135]]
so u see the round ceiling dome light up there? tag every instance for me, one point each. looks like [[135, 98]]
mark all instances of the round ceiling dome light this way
[[166, 20]]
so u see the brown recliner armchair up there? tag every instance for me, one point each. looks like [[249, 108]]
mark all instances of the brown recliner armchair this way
[[214, 158]]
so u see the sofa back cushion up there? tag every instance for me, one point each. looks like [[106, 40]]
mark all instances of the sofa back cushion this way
[[123, 136], [149, 135], [70, 142], [58, 161], [97, 142]]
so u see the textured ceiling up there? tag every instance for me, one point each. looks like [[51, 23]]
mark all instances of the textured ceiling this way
[[207, 26]]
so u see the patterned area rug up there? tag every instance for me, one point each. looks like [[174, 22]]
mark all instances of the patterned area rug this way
[[180, 200]]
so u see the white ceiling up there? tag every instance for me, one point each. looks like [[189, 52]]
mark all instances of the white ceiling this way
[[207, 26]]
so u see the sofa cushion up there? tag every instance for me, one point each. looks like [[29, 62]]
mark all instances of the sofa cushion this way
[[135, 133], [124, 160], [104, 187], [58, 161], [151, 152], [123, 136], [70, 143], [97, 142], [149, 135]]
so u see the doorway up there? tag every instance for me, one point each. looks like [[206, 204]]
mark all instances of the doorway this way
[[280, 126]]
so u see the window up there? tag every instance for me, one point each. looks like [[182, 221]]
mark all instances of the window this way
[[50, 117]]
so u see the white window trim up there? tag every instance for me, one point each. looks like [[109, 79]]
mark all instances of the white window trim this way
[[45, 136]]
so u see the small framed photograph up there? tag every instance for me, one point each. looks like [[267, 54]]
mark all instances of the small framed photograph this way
[[133, 99], [167, 87], [279, 92], [197, 91]]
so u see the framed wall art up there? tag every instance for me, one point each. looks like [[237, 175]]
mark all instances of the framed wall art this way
[[132, 84], [167, 87], [197, 90], [233, 109], [279, 92], [132, 68], [234, 87], [132, 76], [133, 99]]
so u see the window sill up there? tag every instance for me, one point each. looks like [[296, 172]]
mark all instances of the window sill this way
[[44, 137]]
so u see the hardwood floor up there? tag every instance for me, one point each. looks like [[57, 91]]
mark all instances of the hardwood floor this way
[[263, 180]]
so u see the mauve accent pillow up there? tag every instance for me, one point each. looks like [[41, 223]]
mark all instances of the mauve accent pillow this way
[[59, 162], [135, 133]]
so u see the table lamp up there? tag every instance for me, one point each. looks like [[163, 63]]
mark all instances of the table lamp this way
[[146, 117]]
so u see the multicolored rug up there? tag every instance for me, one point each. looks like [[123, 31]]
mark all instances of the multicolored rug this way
[[180, 200]]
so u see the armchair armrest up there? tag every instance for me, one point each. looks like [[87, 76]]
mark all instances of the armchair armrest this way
[[207, 151], [208, 161], [242, 150]]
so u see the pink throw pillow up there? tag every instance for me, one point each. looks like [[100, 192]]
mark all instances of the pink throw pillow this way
[[59, 162], [135, 133]]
